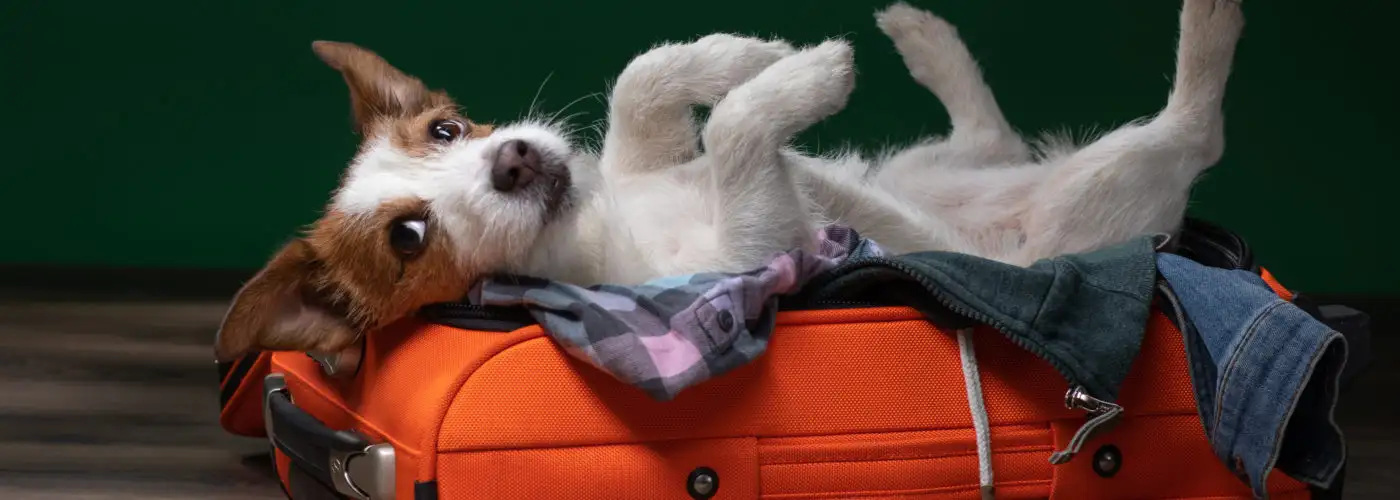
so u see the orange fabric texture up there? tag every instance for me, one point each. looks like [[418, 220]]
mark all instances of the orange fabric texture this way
[[817, 378], [941, 463], [409, 373], [865, 403], [603, 472]]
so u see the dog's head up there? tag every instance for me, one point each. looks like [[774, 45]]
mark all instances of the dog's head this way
[[432, 202]]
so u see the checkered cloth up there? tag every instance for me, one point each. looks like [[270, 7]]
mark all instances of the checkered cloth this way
[[672, 333]]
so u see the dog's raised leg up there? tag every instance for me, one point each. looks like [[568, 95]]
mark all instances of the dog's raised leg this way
[[650, 120], [1137, 179], [938, 59], [745, 137]]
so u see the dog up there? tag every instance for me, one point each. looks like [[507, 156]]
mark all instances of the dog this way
[[434, 201], [983, 190]]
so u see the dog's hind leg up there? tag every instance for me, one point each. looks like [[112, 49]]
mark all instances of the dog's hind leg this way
[[1137, 179], [938, 59], [650, 120], [744, 140]]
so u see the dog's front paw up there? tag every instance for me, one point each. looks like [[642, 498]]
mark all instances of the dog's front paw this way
[[795, 92], [786, 97], [733, 59], [824, 74]]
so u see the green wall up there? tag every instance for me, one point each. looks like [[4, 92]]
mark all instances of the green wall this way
[[203, 133]]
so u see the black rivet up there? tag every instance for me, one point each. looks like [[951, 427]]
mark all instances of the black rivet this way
[[1107, 461], [725, 319], [703, 483]]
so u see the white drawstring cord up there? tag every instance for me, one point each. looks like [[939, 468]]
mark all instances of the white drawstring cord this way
[[977, 404]]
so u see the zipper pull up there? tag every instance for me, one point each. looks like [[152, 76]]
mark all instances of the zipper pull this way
[[1103, 416]]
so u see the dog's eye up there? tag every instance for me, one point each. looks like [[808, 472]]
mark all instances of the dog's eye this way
[[446, 130], [408, 237]]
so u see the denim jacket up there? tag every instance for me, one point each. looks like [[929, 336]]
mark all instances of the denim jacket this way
[[1266, 374]]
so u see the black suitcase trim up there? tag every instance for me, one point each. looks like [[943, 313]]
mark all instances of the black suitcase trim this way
[[232, 375], [302, 485], [425, 490]]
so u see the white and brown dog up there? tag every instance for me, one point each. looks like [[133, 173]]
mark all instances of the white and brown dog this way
[[434, 202]]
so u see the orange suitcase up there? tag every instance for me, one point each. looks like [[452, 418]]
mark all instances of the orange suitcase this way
[[453, 408]]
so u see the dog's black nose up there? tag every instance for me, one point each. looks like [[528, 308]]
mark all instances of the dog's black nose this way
[[516, 165]]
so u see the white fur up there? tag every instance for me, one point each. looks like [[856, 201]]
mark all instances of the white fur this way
[[662, 207], [980, 190]]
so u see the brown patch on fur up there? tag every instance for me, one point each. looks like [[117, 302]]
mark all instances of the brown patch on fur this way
[[479, 130], [377, 89], [361, 270], [411, 134], [387, 102], [343, 279], [273, 310]]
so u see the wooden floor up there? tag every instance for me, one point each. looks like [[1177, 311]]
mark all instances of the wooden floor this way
[[118, 401], [103, 400]]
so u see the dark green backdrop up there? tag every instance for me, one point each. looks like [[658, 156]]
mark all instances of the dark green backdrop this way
[[203, 133]]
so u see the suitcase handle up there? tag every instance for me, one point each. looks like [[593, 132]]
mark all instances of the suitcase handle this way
[[344, 460]]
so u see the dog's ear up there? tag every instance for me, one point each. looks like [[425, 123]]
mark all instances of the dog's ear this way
[[377, 89], [273, 312]]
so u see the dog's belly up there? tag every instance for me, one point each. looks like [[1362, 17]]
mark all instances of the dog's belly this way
[[986, 207], [672, 223]]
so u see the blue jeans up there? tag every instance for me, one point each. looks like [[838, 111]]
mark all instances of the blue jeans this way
[[1265, 374]]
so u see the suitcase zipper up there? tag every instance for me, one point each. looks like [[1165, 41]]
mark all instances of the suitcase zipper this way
[[1103, 415], [462, 310], [478, 317], [828, 304]]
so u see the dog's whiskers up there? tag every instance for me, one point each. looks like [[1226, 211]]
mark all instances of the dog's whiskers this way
[[596, 127], [535, 100], [565, 124], [566, 107]]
